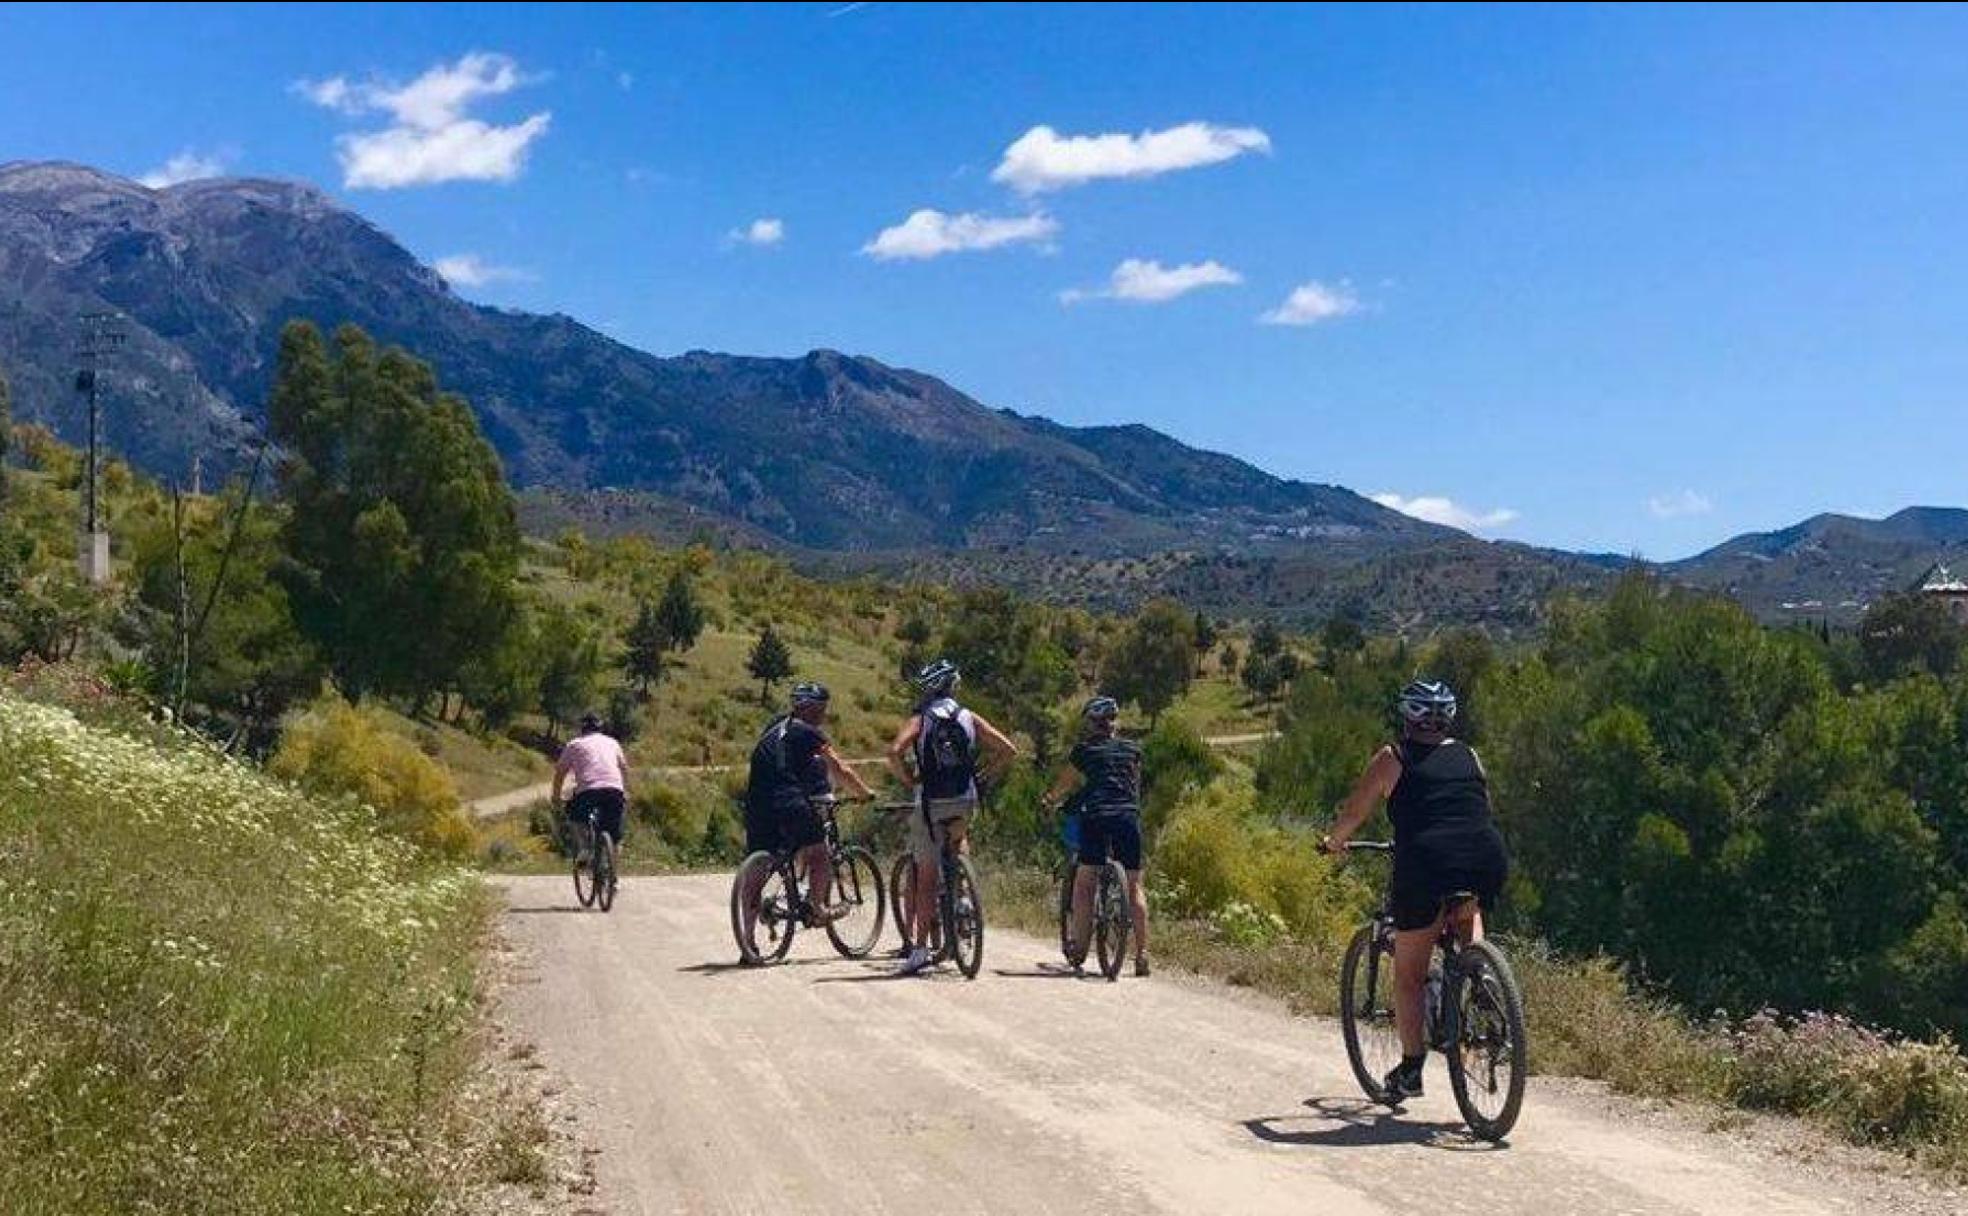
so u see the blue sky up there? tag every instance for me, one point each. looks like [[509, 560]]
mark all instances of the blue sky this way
[[1628, 279]]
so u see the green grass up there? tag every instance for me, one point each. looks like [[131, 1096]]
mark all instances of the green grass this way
[[480, 765], [218, 995]]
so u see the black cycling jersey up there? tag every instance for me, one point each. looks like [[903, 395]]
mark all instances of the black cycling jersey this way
[[1112, 768], [1442, 789], [786, 767]]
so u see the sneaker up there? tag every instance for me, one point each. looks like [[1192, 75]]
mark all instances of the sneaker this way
[[1401, 1084], [1141, 966], [917, 962]]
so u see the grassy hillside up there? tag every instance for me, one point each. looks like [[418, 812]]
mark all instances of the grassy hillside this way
[[217, 995]]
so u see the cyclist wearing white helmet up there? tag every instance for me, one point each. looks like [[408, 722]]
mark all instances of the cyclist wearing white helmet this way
[[1104, 770], [792, 764], [1445, 843], [935, 753]]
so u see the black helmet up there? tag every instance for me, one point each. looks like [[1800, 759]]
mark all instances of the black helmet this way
[[1427, 704], [939, 679], [810, 693], [590, 722]]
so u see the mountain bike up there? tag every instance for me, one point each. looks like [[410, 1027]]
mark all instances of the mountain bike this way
[[594, 867], [1474, 1015], [775, 888], [957, 932], [902, 891], [1113, 914]]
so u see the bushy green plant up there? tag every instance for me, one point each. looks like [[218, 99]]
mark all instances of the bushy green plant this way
[[337, 750]]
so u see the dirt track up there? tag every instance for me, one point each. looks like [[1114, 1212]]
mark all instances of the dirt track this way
[[824, 1085]]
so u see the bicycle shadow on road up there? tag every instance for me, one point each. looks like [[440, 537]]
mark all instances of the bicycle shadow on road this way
[[1047, 971], [1356, 1123], [727, 968], [549, 910]]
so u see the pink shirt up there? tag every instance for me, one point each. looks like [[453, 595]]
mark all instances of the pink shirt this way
[[597, 763]]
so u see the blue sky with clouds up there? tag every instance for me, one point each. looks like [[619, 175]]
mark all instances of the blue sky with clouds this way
[[1628, 279]]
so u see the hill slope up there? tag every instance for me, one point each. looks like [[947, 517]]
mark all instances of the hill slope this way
[[827, 451], [1830, 565]]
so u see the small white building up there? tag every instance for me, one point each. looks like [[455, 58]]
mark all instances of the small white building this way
[[1952, 591]]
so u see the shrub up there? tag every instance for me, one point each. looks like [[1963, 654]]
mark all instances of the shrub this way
[[336, 750]]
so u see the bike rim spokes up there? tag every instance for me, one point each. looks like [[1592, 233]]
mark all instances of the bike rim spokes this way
[[1373, 1045], [857, 883], [604, 880], [966, 910], [1111, 916], [1489, 1047], [771, 933]]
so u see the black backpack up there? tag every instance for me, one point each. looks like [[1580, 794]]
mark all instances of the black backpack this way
[[945, 761]]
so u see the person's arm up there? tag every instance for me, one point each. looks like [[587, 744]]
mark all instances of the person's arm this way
[[561, 765], [905, 741], [1373, 787], [622, 767], [1002, 751], [843, 773], [1068, 780]]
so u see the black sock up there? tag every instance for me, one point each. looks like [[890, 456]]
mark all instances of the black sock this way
[[1411, 1065]]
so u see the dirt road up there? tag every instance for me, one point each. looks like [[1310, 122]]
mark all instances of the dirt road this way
[[826, 1086]]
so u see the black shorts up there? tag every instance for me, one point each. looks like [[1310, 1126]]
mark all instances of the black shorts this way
[[1112, 834], [1429, 869], [782, 829], [607, 806]]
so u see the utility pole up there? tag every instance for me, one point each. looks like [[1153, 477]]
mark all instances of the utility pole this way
[[101, 334]]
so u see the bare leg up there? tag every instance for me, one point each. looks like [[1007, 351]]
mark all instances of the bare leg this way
[[1138, 900], [922, 911], [1412, 950], [751, 900], [820, 874], [1085, 880]]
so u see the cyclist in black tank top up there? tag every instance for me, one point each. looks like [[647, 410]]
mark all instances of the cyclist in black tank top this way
[[1445, 843]]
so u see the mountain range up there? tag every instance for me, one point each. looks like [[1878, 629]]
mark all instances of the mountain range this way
[[835, 458]]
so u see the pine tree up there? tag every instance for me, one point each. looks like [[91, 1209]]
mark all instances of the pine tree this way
[[680, 615], [770, 663], [1205, 634], [647, 640]]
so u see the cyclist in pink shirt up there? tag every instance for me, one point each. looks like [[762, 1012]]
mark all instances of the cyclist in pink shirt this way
[[601, 782]]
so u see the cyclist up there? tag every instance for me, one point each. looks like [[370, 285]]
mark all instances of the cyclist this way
[[1104, 771], [943, 740], [601, 783], [1445, 842], [792, 764]]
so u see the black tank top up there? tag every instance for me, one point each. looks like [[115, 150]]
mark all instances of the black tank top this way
[[1442, 789]]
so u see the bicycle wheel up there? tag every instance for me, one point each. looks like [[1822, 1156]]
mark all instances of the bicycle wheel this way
[[1487, 1065], [584, 881], [604, 865], [771, 933], [963, 914], [1366, 1009], [1113, 918], [1074, 955], [858, 884], [902, 894]]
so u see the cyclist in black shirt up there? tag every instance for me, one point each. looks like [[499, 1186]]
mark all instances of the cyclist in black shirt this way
[[1104, 772], [1444, 842], [792, 764]]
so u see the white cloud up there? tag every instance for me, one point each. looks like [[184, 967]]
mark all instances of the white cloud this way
[[762, 232], [186, 166], [1311, 303], [1683, 502], [470, 270], [625, 80], [929, 233], [1042, 159], [1150, 282], [1444, 511], [431, 137]]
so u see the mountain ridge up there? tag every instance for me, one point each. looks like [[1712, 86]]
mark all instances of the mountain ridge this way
[[825, 450]]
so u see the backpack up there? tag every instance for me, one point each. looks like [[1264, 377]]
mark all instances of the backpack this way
[[944, 759]]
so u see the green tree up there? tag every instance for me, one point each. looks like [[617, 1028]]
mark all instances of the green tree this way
[[570, 672], [1204, 634], [1907, 633], [1015, 669], [1341, 635], [681, 615], [646, 642], [770, 661], [1267, 642], [1152, 664], [399, 513]]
